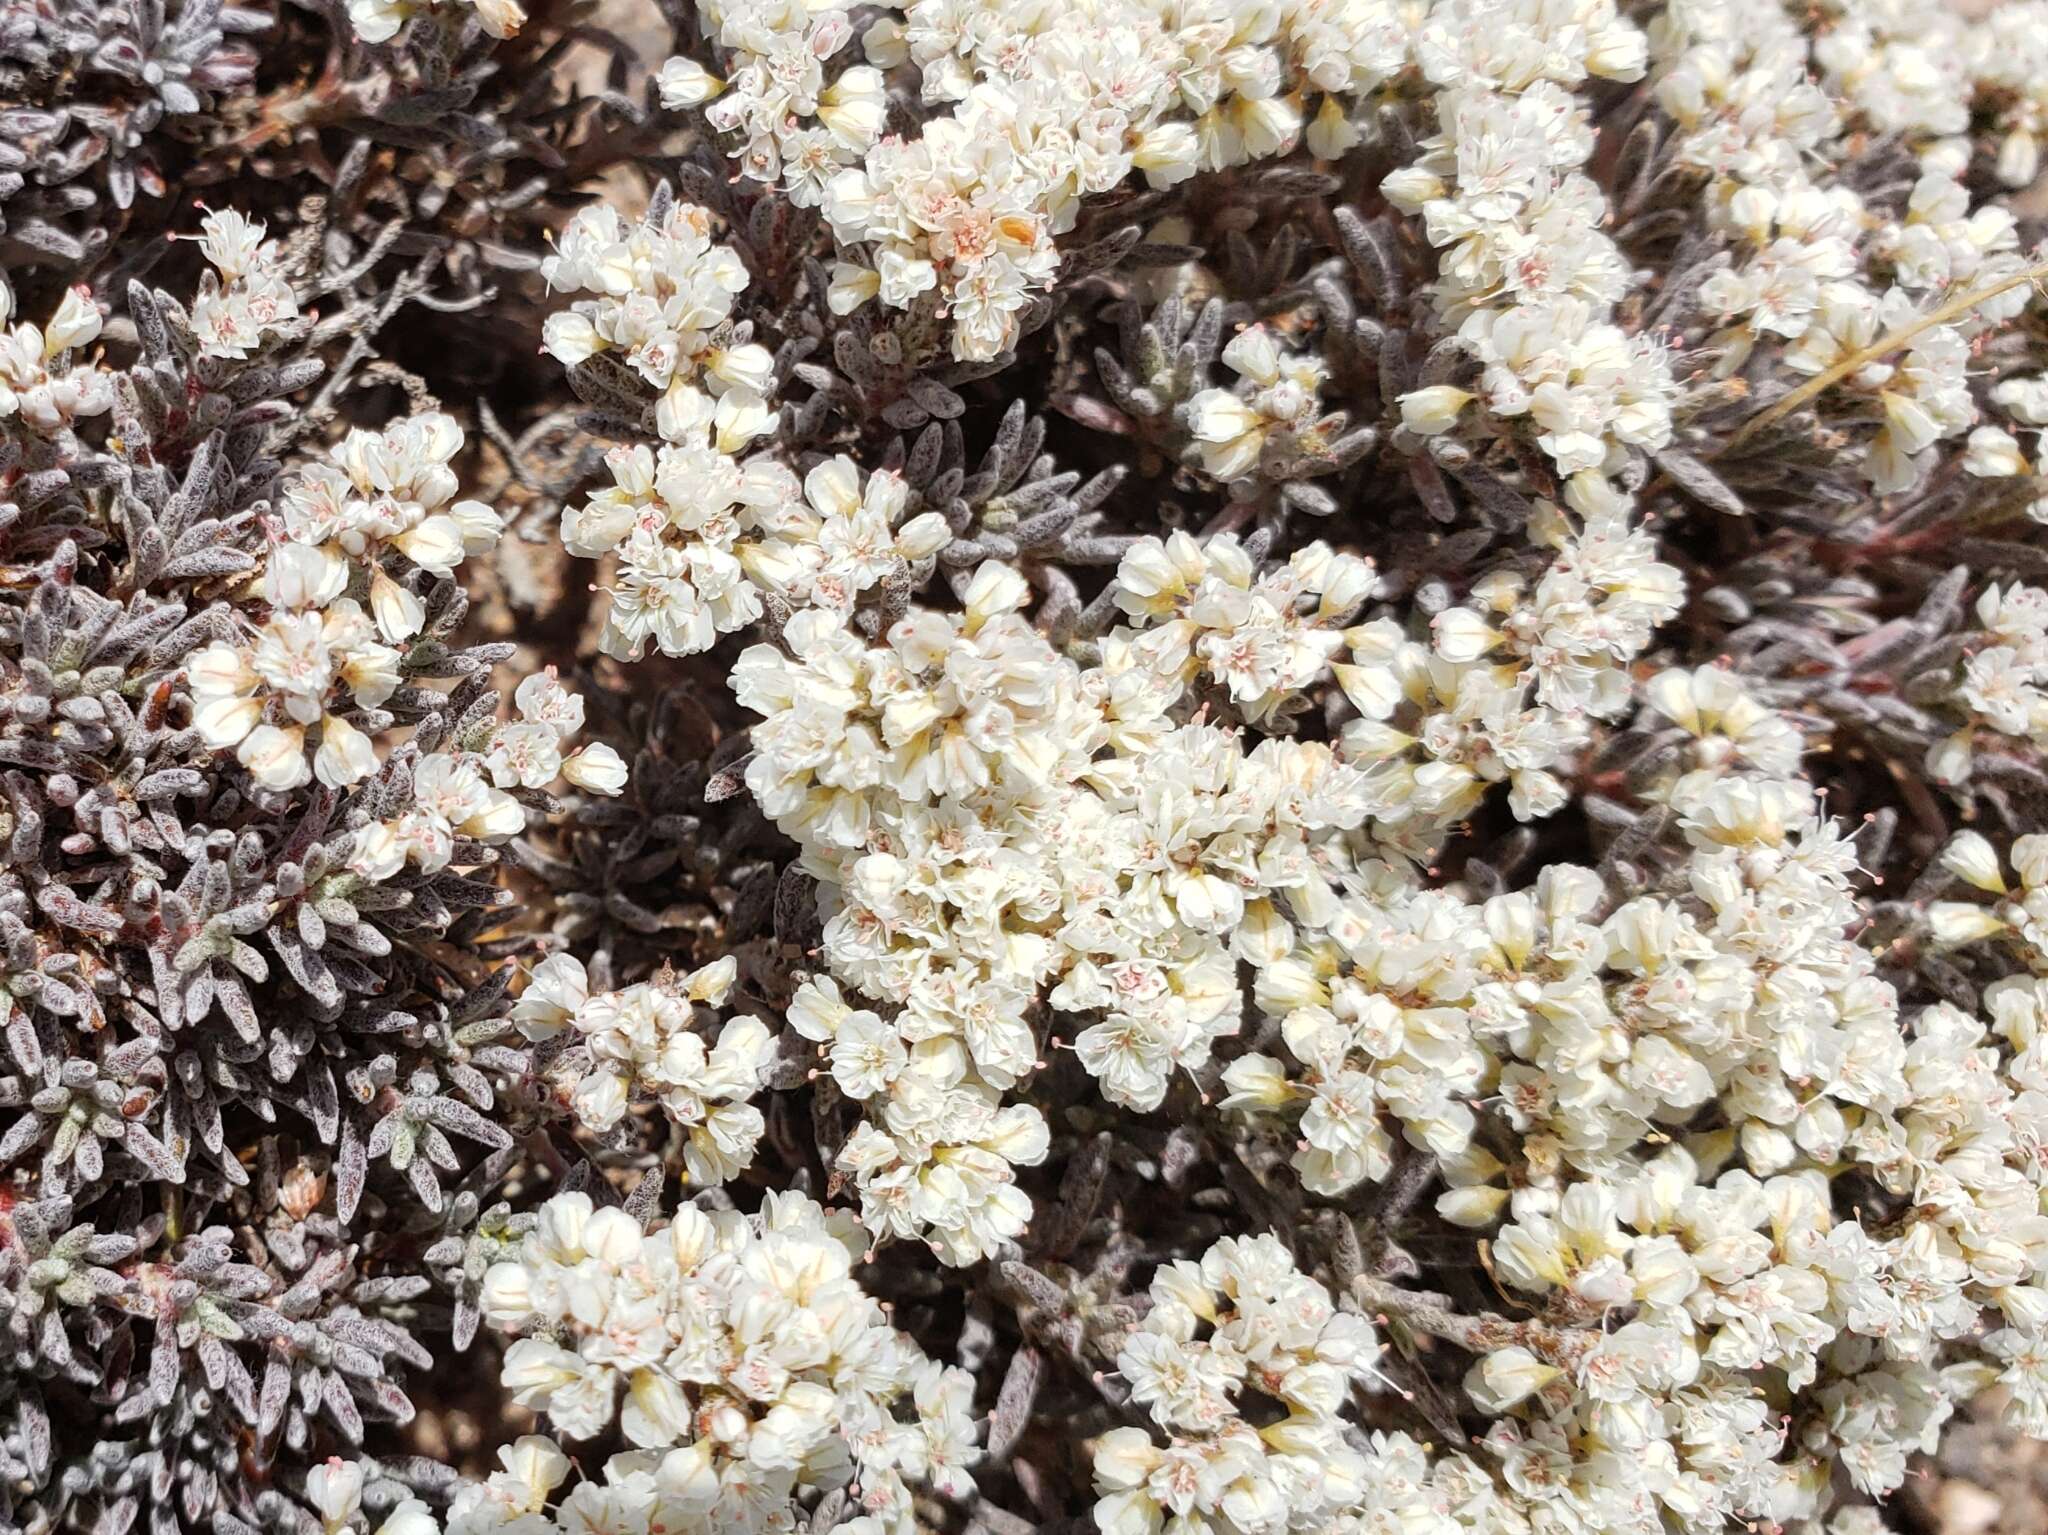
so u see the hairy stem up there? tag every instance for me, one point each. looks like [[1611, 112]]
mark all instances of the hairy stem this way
[[1428, 1312]]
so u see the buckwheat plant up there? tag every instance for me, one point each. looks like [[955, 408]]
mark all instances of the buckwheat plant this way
[[249, 1016], [975, 766]]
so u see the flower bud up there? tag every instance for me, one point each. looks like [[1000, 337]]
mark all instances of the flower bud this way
[[506, 1298], [1427, 412], [1332, 135], [685, 83], [854, 107], [996, 589], [656, 1413], [399, 614], [1461, 635], [596, 768], [275, 756], [1958, 922], [435, 544], [1506, 1377], [76, 322], [335, 1489], [346, 756], [2019, 158], [1257, 1082], [571, 338], [1168, 153], [923, 536], [1994, 454], [410, 1517], [1410, 187], [1969, 856]]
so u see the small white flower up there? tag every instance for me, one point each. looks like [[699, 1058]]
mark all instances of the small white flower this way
[[685, 83], [1433, 410], [596, 768], [335, 1489]]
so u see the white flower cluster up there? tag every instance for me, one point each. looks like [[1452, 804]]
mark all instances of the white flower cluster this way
[[1902, 66], [1595, 1041], [968, 210], [37, 387], [1505, 686], [2018, 916], [1730, 731], [1923, 393], [993, 821], [1573, 631], [2000, 685], [1735, 78], [1816, 269], [299, 697], [1655, 1088], [1502, 689], [1997, 453], [996, 823], [937, 1158], [788, 121], [1411, 1001], [245, 298], [1274, 409], [641, 1043], [316, 659], [1527, 273], [1242, 1323], [343, 524], [388, 494], [664, 306], [1205, 610], [742, 1361], [700, 537], [1030, 112], [1740, 1273], [2008, 60], [472, 795]]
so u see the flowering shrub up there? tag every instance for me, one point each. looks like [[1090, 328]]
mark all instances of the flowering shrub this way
[[1174, 769]]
